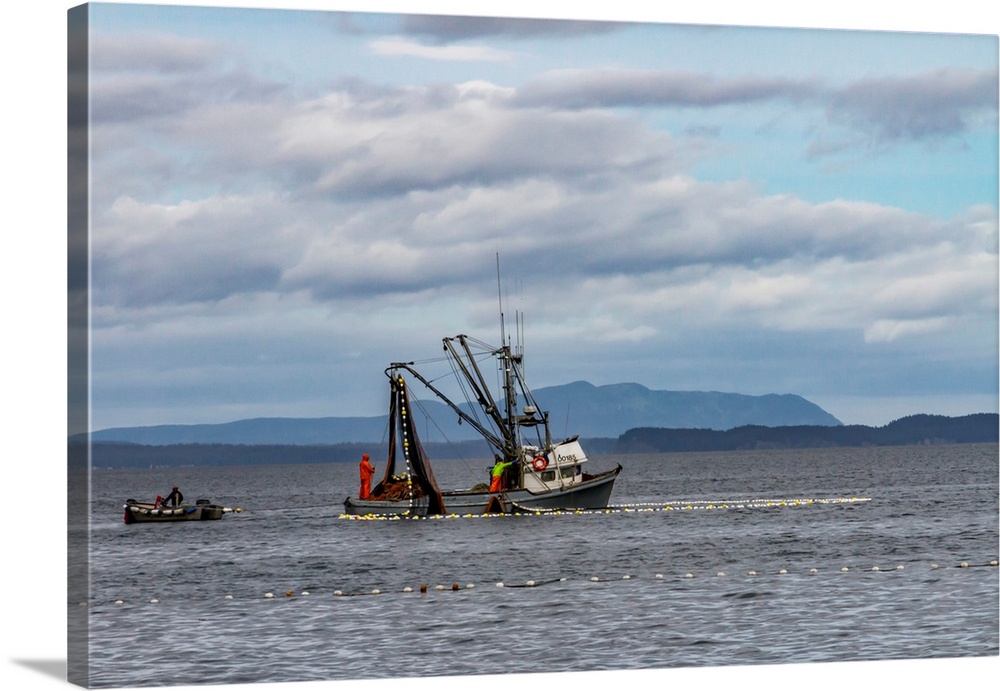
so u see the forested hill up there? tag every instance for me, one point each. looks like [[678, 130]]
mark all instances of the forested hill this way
[[915, 429]]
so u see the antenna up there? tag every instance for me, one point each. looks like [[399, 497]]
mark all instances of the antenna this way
[[503, 333], [520, 322]]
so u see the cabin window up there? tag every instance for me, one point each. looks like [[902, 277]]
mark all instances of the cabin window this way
[[548, 476], [569, 471]]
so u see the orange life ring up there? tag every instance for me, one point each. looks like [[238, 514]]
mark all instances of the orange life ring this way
[[540, 463]]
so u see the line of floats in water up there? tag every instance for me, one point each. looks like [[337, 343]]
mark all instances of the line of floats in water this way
[[424, 588], [640, 507]]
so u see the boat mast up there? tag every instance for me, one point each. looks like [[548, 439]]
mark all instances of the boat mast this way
[[507, 422], [506, 362], [503, 333]]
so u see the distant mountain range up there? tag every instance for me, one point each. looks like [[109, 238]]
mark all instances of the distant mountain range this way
[[915, 429], [578, 408]]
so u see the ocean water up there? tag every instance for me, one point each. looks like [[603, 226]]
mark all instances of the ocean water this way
[[706, 559]]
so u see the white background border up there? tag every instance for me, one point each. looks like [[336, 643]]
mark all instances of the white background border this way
[[33, 341]]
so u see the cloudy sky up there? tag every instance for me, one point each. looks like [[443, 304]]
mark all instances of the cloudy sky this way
[[283, 202]]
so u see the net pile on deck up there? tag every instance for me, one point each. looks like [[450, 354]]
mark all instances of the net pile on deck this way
[[397, 488]]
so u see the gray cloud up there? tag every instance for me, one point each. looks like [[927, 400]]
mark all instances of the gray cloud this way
[[162, 76], [147, 254], [446, 29], [936, 104], [129, 98], [424, 182], [943, 103], [467, 136], [617, 87], [152, 52]]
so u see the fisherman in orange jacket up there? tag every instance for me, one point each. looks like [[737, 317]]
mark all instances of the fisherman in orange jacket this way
[[367, 470]]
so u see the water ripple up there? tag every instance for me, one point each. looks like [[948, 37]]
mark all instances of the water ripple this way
[[210, 581]]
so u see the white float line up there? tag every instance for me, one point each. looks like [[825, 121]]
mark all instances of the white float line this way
[[645, 507], [455, 587], [743, 503]]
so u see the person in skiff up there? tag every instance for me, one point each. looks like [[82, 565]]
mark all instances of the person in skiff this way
[[367, 470], [175, 498], [497, 474]]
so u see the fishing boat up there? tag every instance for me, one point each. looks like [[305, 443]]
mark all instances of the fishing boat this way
[[539, 474], [152, 512]]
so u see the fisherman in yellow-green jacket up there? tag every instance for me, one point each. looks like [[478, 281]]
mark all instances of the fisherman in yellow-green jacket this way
[[497, 474]]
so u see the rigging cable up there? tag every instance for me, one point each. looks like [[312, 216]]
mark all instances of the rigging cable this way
[[427, 417], [473, 407]]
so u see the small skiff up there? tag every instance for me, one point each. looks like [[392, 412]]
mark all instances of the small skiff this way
[[147, 512]]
